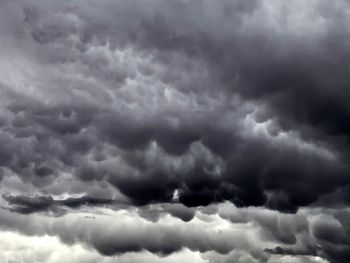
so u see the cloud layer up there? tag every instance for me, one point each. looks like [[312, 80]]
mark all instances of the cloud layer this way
[[174, 119]]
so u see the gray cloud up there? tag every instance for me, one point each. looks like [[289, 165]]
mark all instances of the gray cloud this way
[[172, 107]]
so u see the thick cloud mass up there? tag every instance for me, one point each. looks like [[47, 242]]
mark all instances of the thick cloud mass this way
[[158, 119]]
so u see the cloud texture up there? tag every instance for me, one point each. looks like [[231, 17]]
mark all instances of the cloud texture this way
[[166, 131]]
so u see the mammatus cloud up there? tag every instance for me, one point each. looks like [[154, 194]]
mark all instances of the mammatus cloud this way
[[168, 131]]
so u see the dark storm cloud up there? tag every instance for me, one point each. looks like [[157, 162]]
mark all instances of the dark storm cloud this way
[[260, 68], [183, 103]]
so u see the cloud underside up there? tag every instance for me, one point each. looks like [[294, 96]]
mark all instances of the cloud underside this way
[[215, 233], [174, 131]]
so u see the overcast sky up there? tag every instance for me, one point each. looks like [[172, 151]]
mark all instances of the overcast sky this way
[[174, 131]]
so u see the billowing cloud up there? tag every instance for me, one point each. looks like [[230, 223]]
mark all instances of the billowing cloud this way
[[190, 111]]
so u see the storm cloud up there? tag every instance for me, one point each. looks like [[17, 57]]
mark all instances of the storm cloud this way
[[176, 130]]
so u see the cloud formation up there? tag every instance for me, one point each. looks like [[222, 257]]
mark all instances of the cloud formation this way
[[194, 111]]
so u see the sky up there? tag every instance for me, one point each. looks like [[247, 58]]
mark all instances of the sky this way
[[170, 131]]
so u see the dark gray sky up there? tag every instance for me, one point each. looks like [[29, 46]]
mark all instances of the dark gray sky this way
[[174, 131]]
